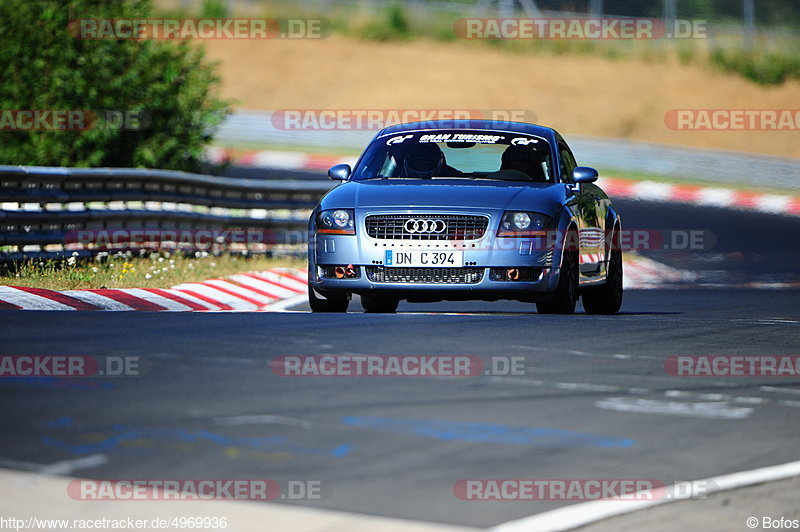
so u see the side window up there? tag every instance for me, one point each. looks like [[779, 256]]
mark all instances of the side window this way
[[568, 163]]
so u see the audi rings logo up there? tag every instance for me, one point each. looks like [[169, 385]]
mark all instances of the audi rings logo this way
[[413, 226]]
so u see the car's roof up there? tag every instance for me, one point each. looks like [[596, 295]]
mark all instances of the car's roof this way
[[488, 125]]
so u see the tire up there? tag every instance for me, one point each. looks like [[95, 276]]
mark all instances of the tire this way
[[566, 293], [331, 304], [607, 298], [380, 304]]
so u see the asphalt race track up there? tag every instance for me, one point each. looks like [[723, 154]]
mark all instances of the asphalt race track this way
[[595, 400]]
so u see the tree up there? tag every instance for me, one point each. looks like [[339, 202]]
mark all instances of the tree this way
[[46, 67]]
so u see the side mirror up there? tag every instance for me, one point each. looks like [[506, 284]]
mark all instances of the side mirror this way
[[584, 174], [340, 172]]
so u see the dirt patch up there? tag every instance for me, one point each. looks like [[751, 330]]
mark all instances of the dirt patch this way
[[586, 95]]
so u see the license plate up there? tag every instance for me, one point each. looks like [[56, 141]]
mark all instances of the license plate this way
[[424, 258]]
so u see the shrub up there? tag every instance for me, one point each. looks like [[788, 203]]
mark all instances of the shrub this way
[[46, 67], [395, 26], [764, 68]]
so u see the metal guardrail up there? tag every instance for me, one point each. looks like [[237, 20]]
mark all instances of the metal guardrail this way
[[52, 211]]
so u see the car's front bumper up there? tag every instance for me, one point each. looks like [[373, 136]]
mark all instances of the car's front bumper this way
[[489, 253]]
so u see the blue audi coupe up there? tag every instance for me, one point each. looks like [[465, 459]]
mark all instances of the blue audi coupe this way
[[465, 210]]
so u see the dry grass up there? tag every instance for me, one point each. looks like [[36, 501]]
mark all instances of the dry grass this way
[[159, 270], [577, 94]]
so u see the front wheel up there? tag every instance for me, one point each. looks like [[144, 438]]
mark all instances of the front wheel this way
[[331, 304], [380, 304], [607, 298], [566, 293]]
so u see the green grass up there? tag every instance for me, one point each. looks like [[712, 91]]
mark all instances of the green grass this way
[[759, 66], [123, 270]]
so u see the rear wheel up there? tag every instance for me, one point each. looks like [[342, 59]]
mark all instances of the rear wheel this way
[[566, 293], [382, 304], [607, 298], [330, 304]]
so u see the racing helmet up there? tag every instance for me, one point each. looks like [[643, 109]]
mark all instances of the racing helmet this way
[[524, 159], [423, 160]]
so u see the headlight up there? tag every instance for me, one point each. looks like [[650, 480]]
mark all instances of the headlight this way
[[336, 221], [521, 220], [522, 223]]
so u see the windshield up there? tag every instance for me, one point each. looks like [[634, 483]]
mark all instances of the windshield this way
[[473, 154]]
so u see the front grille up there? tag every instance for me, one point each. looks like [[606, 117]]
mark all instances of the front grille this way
[[380, 274], [458, 226]]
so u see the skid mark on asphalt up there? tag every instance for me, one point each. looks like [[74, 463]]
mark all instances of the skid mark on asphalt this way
[[715, 410], [575, 386], [572, 386], [688, 395], [486, 432], [776, 389], [262, 419], [671, 319], [766, 321], [574, 352]]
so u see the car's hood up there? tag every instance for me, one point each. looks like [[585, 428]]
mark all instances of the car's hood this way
[[539, 197]]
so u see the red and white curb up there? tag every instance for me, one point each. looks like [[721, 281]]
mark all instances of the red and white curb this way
[[589, 258], [271, 290], [641, 273], [702, 196], [616, 188]]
